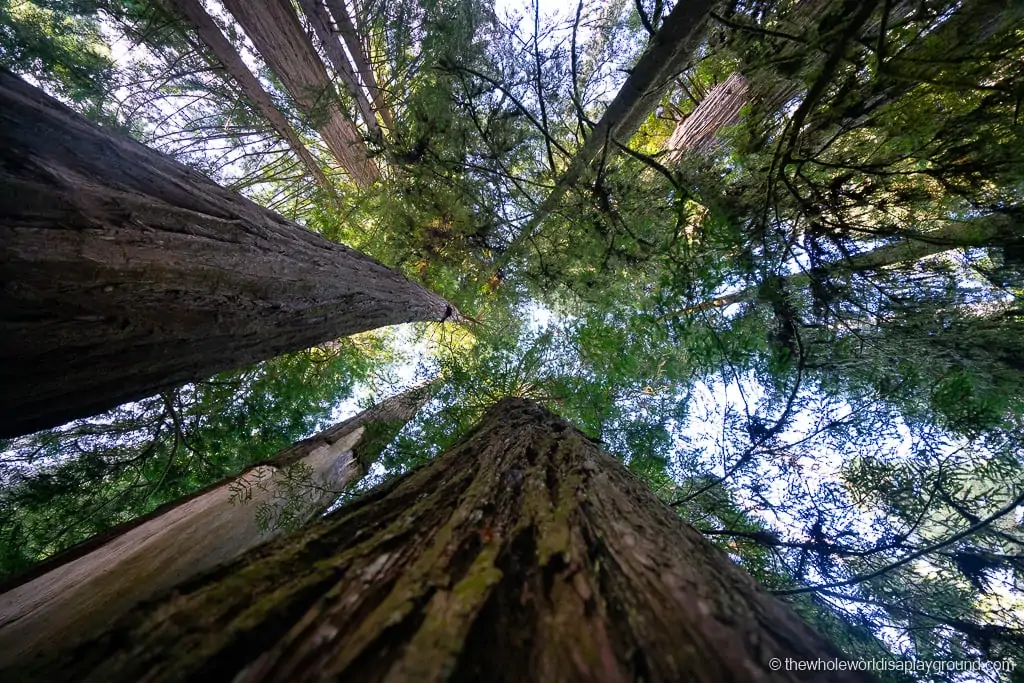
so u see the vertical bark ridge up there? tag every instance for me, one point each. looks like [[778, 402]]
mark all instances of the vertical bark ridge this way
[[524, 553], [125, 273], [350, 35]]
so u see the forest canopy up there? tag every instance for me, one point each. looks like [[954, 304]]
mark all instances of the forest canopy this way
[[768, 253]]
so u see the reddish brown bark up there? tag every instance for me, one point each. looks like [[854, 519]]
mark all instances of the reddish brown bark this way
[[524, 553], [125, 273], [274, 29], [350, 34], [210, 34]]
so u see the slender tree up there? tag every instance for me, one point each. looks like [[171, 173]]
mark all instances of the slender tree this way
[[350, 34], [76, 594], [210, 34], [522, 553], [126, 273], [320, 20], [275, 30]]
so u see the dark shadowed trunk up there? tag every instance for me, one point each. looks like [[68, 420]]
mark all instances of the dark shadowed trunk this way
[[125, 273], [77, 594], [524, 553], [274, 29], [210, 34]]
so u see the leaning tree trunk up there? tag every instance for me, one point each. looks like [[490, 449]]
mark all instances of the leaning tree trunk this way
[[210, 34], [320, 20], [721, 107], [75, 595], [670, 49], [993, 230], [348, 32], [125, 273], [524, 553], [274, 29]]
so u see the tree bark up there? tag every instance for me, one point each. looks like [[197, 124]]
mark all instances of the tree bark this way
[[320, 20], [524, 553], [348, 32], [75, 595], [666, 56], [721, 107], [210, 34], [274, 29], [125, 273]]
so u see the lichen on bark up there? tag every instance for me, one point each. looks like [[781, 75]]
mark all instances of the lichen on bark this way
[[523, 553]]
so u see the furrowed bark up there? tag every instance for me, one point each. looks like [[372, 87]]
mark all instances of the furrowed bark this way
[[648, 81], [348, 32], [523, 553], [274, 29], [211, 36], [320, 20], [75, 595], [720, 108], [125, 273]]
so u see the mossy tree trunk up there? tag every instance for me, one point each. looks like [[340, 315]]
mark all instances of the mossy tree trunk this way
[[524, 553], [73, 596], [124, 273]]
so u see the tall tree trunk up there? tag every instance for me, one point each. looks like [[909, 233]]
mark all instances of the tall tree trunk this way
[[670, 48], [320, 20], [994, 230], [274, 29], [721, 107], [210, 34], [523, 553], [350, 34], [77, 594], [125, 273]]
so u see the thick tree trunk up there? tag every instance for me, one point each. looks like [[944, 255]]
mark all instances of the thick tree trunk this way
[[721, 107], [274, 29], [125, 273], [667, 55], [320, 20], [522, 554], [348, 32], [210, 34], [77, 594]]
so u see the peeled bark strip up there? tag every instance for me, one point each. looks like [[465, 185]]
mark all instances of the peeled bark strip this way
[[320, 20], [524, 553], [348, 32], [720, 108], [77, 595], [274, 29], [125, 273], [208, 31]]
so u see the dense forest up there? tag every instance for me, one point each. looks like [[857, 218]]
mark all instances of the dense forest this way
[[442, 340]]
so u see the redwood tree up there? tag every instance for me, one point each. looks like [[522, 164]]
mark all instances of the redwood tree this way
[[75, 594], [125, 273], [524, 553]]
